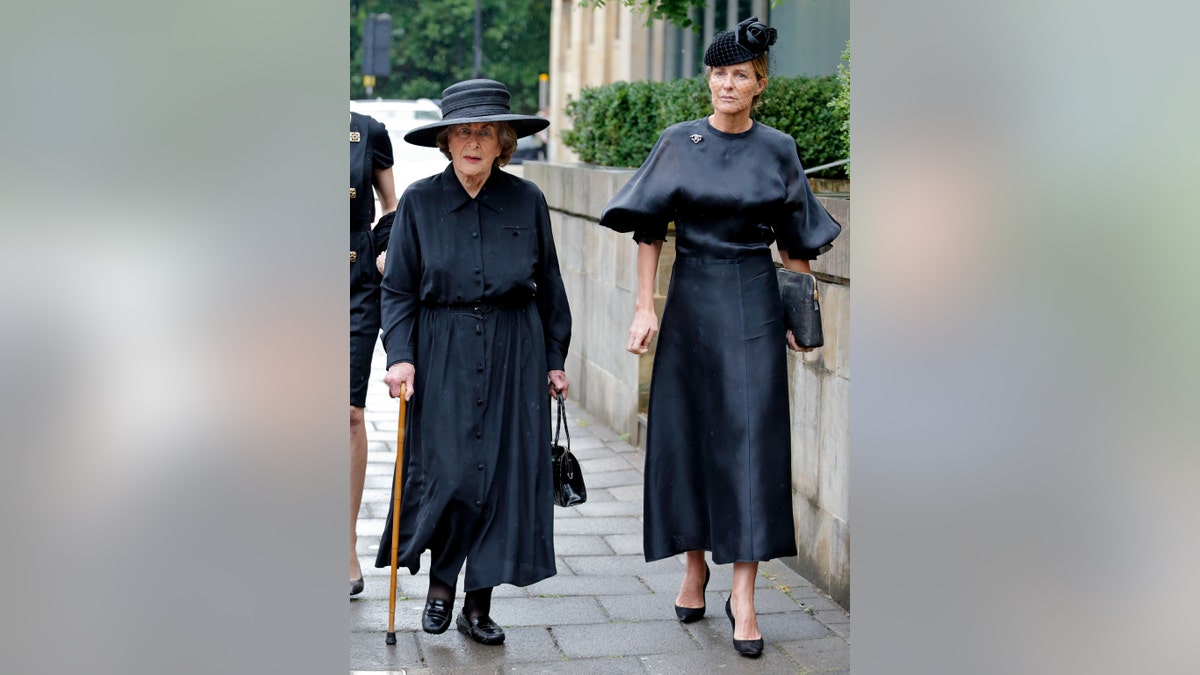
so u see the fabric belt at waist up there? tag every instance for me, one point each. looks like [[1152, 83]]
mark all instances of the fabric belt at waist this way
[[747, 256], [483, 306]]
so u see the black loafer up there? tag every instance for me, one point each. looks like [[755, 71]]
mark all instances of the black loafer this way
[[356, 586], [436, 618], [481, 629]]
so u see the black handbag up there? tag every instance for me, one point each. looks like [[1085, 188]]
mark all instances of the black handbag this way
[[801, 309], [569, 489]]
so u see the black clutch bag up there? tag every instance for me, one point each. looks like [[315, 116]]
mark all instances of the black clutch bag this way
[[801, 310], [569, 489]]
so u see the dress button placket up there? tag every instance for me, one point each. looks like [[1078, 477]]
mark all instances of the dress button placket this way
[[479, 389], [477, 245]]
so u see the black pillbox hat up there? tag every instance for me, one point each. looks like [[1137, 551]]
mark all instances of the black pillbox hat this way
[[747, 41]]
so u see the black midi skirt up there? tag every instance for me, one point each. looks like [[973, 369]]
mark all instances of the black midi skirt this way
[[476, 472], [718, 452], [364, 314]]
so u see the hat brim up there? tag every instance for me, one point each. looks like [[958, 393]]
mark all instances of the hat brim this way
[[524, 125]]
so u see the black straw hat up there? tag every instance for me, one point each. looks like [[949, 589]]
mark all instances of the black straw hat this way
[[749, 40], [472, 101]]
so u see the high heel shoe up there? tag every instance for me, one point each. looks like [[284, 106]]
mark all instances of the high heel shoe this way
[[750, 648], [356, 586], [690, 614]]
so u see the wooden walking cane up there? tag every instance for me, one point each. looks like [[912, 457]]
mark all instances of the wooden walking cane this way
[[397, 481]]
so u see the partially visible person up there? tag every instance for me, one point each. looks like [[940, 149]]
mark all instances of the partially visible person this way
[[718, 452], [476, 325], [370, 169]]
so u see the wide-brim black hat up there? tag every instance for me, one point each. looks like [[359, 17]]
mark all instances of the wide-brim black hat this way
[[472, 101]]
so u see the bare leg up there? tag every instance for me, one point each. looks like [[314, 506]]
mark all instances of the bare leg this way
[[742, 601], [358, 476], [691, 590]]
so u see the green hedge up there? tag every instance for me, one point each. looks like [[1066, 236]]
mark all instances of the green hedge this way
[[841, 104], [617, 124]]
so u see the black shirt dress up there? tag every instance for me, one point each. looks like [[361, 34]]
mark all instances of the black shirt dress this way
[[473, 297], [718, 454]]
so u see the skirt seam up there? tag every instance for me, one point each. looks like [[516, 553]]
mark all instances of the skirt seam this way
[[746, 400]]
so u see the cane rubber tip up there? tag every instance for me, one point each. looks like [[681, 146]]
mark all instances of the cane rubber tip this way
[[391, 638]]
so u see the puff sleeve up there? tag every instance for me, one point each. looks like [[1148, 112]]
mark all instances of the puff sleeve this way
[[804, 228], [645, 204]]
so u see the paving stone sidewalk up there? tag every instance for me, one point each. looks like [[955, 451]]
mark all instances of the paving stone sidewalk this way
[[607, 610]]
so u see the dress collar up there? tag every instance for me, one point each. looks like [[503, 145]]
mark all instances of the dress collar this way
[[490, 195]]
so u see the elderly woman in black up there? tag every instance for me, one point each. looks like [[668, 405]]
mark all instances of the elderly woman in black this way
[[476, 325], [718, 455]]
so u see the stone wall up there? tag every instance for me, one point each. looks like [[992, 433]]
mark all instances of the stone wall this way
[[820, 394], [600, 273]]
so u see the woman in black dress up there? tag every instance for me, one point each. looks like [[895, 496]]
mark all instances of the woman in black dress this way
[[476, 325], [718, 454], [370, 168]]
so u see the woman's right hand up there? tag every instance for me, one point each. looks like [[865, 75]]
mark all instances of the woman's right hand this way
[[400, 374], [643, 330]]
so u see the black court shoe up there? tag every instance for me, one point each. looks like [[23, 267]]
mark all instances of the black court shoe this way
[[357, 586], [436, 618], [481, 629], [750, 648], [690, 614]]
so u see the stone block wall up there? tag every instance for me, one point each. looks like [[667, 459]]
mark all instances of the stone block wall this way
[[600, 272]]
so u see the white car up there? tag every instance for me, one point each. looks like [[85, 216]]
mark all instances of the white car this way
[[400, 116]]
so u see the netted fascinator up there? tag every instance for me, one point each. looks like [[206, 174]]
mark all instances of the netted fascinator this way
[[748, 40]]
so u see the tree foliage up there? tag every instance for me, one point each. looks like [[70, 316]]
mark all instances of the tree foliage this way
[[433, 46], [672, 11]]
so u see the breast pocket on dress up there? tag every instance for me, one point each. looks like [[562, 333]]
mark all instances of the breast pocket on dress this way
[[518, 240], [516, 251]]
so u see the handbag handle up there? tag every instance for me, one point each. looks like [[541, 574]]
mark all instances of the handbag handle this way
[[560, 425], [562, 421]]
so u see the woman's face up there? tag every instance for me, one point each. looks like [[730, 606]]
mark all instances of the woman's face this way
[[734, 87], [474, 148]]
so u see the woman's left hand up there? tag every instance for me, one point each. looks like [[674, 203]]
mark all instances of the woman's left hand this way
[[791, 339], [380, 261], [559, 383]]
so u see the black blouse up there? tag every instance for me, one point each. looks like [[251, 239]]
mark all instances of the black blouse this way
[[728, 194], [372, 150], [449, 249]]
